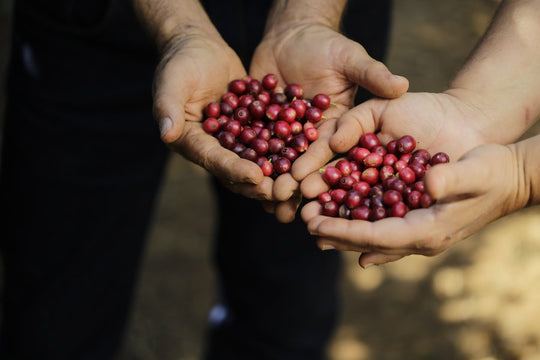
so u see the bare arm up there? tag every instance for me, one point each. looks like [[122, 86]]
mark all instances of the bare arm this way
[[166, 20], [502, 75]]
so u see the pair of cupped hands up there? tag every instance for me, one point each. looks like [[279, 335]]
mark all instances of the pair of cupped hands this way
[[195, 71]]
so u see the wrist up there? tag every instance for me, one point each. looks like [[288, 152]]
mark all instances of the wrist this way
[[172, 22], [285, 15]]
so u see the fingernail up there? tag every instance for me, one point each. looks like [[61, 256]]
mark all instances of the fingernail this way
[[165, 125], [367, 265], [325, 247]]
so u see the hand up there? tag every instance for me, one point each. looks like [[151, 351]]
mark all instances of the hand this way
[[193, 72], [484, 185], [446, 122], [322, 61]]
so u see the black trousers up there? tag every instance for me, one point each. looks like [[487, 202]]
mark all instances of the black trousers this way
[[81, 166]]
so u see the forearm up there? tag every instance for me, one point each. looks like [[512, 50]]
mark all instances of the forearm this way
[[502, 75], [287, 12], [168, 19]]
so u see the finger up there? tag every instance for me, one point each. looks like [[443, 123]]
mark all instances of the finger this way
[[269, 206], [261, 191], [286, 210], [417, 232], [310, 210], [361, 119], [284, 187], [313, 185], [371, 74], [173, 86], [169, 113], [366, 260], [317, 154], [205, 150]]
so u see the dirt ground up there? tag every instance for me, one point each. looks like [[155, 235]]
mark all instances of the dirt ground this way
[[477, 301]]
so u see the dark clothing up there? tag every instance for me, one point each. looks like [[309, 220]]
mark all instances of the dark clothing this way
[[76, 194]]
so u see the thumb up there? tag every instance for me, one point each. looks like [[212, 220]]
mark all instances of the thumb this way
[[169, 113], [372, 75], [363, 118], [172, 84]]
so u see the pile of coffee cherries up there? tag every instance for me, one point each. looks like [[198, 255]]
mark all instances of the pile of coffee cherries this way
[[265, 124], [375, 181]]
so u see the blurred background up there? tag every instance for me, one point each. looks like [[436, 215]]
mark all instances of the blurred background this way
[[480, 300]]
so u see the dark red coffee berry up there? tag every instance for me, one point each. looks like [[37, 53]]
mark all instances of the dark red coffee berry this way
[[294, 91], [313, 114], [322, 101], [237, 86], [269, 81], [211, 125]]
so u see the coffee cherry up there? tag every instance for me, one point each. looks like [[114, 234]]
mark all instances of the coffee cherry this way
[[257, 109], [287, 114], [272, 111], [260, 146], [294, 91], [312, 134], [299, 107], [369, 141], [211, 125], [267, 168], [391, 197], [330, 208], [338, 195], [439, 158], [361, 212], [247, 135], [254, 87], [324, 197], [289, 153], [226, 108], [237, 86], [406, 144], [269, 81], [313, 114], [275, 145], [331, 175], [212, 110], [278, 98], [249, 154], [282, 129], [227, 139], [231, 99], [282, 165], [322, 101]]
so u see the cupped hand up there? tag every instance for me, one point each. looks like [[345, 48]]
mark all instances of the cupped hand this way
[[321, 60], [484, 185], [193, 72]]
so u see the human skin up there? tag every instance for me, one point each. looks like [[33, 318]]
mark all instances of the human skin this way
[[197, 65], [492, 101], [302, 45]]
